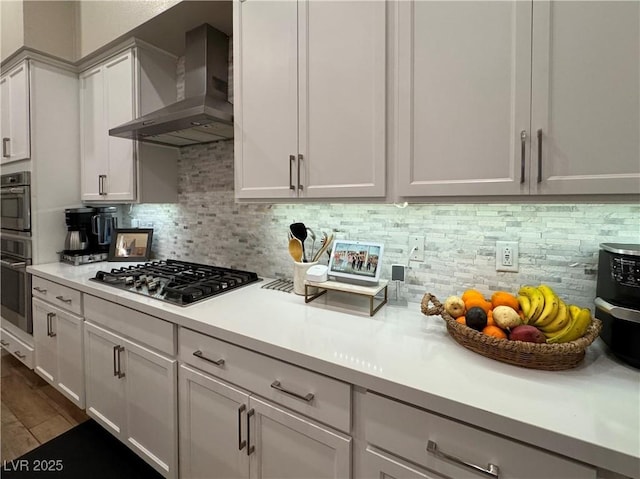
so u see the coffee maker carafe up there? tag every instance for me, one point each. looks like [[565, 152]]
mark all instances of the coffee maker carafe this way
[[78, 240], [103, 225]]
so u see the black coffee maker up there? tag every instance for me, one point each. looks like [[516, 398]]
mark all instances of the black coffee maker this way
[[79, 239]]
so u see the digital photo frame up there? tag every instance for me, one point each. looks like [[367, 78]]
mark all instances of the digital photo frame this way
[[356, 262], [130, 244]]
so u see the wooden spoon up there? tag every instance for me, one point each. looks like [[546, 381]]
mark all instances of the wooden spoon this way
[[295, 249]]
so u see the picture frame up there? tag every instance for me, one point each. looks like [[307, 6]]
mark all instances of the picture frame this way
[[130, 244]]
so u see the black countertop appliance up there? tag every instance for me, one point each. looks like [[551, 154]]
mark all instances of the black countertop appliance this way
[[618, 299]]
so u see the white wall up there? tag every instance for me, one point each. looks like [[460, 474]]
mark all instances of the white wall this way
[[12, 27], [50, 26], [103, 21]]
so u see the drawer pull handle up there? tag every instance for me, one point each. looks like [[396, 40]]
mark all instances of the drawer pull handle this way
[[4, 343], [308, 397], [40, 290], [20, 355], [241, 443], [217, 362], [491, 471], [62, 298]]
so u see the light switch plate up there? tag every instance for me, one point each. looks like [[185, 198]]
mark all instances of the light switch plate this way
[[507, 256], [416, 242]]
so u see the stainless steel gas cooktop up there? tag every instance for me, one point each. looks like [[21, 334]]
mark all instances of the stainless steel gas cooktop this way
[[176, 282]]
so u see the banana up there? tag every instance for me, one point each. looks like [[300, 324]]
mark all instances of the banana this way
[[537, 302], [574, 310], [525, 304], [575, 329], [560, 322], [551, 304]]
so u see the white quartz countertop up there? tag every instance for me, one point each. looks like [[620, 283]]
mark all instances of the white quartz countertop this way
[[590, 413]]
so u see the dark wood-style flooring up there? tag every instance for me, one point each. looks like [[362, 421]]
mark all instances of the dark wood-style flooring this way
[[33, 412]]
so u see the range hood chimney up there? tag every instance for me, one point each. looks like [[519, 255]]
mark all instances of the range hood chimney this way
[[205, 115]]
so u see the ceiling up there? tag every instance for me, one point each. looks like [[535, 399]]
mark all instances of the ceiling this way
[[167, 30]]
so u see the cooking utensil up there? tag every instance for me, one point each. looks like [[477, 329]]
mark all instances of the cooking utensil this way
[[295, 249], [312, 235], [326, 243], [299, 230]]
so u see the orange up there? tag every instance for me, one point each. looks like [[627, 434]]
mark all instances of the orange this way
[[495, 332], [502, 298], [490, 321], [461, 320], [471, 293], [480, 302]]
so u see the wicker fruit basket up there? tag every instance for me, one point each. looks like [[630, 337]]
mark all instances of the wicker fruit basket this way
[[549, 357]]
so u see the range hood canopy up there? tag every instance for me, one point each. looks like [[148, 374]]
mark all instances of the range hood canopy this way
[[205, 115]]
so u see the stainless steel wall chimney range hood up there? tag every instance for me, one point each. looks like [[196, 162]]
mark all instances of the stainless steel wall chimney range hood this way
[[204, 115]]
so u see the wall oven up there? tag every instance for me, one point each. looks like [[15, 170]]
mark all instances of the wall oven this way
[[15, 256], [15, 207]]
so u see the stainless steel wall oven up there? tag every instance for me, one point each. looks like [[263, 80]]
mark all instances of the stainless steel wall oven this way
[[15, 256], [15, 192]]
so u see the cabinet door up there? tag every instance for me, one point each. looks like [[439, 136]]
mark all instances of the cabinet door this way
[[16, 143], [93, 143], [105, 390], [46, 349], [119, 108], [212, 427], [464, 90], [287, 446], [266, 98], [70, 380], [586, 97], [151, 406], [342, 96]]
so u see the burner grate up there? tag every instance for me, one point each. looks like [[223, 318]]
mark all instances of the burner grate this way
[[177, 282]]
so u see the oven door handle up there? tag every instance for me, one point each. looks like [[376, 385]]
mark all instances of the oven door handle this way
[[13, 190], [9, 264]]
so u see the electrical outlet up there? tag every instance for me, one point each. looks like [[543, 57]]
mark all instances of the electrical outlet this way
[[507, 256], [416, 248]]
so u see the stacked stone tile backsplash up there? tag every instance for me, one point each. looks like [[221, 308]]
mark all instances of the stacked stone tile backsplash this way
[[558, 242]]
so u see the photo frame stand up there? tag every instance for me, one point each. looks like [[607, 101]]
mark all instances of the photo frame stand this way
[[370, 291]]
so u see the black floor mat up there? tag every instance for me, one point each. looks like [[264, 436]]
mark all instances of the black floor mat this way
[[86, 451]]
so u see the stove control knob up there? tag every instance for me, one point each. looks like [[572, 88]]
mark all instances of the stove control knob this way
[[138, 284], [152, 284], [128, 280]]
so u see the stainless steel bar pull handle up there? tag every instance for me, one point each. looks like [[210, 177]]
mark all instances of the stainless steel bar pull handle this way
[[40, 290], [20, 355], [292, 160], [307, 397], [120, 350], [50, 332], [300, 158], [217, 362], [115, 366], [523, 144], [539, 155], [492, 470], [64, 300], [3, 342], [241, 443], [5, 148], [250, 448], [101, 189]]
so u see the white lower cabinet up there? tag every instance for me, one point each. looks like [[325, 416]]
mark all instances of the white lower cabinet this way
[[225, 432], [131, 391], [58, 349], [421, 444]]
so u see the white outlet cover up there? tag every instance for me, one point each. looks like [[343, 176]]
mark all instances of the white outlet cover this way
[[512, 247]]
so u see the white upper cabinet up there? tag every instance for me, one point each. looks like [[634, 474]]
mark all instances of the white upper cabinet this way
[[503, 98], [586, 97], [309, 99], [114, 92], [14, 119], [464, 91]]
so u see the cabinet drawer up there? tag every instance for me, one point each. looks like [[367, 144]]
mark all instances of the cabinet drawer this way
[[405, 431], [57, 294], [20, 350], [149, 330], [309, 393]]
